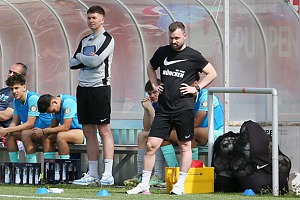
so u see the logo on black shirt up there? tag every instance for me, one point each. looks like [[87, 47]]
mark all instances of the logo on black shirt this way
[[166, 62], [176, 73]]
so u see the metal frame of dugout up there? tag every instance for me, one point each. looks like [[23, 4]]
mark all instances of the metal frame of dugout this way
[[212, 90]]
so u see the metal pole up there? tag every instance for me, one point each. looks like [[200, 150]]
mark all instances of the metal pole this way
[[210, 141], [275, 165], [212, 90]]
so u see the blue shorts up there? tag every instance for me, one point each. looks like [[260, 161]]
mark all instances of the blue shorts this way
[[42, 123]]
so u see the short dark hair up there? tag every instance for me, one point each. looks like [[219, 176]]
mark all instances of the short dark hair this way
[[44, 102], [16, 79], [148, 86], [175, 25], [96, 9], [24, 71]]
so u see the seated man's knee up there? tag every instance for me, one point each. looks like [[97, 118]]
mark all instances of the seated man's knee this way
[[10, 137], [143, 136], [165, 143], [60, 137], [25, 135], [201, 135]]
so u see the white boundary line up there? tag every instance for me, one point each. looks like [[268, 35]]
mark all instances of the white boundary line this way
[[42, 197]]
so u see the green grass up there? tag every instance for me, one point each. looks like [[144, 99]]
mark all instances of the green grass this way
[[75, 192]]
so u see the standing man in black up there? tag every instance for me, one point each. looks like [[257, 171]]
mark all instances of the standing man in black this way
[[179, 65]]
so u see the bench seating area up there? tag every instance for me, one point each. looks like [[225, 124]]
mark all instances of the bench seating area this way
[[125, 136]]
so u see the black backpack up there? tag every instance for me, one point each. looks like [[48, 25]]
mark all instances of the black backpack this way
[[251, 162], [223, 153]]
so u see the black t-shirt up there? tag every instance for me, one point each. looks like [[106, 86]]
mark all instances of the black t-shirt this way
[[176, 68]]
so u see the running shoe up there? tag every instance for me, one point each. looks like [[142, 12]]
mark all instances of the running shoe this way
[[86, 180], [139, 189], [136, 179], [107, 180], [177, 190], [155, 180]]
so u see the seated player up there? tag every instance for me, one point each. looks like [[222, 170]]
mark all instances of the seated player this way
[[6, 98], [25, 117], [149, 105], [64, 127]]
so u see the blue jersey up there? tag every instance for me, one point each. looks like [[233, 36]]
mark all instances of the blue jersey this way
[[29, 108], [6, 101], [154, 104], [68, 110], [201, 103]]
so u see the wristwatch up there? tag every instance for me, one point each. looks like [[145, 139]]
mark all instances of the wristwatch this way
[[198, 88]]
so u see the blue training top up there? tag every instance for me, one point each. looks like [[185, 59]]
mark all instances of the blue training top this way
[[30, 108], [68, 110], [154, 104], [201, 103]]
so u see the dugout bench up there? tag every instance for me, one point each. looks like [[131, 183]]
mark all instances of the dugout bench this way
[[125, 137]]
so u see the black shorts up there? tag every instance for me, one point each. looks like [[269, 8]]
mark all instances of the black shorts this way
[[93, 104], [183, 122]]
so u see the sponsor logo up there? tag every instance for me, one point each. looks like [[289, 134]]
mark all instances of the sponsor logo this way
[[204, 104], [67, 110], [261, 166], [102, 120], [187, 136], [176, 73], [166, 62], [33, 108]]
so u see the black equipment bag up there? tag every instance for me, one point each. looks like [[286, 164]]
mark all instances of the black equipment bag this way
[[251, 162], [225, 181]]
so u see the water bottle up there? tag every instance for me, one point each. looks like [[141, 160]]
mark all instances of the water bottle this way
[[46, 175], [56, 173], [36, 176], [17, 176], [51, 172], [7, 175], [25, 175], [64, 172], [30, 181], [76, 173], [70, 172]]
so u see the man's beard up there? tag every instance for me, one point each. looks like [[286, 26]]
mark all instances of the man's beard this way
[[176, 47]]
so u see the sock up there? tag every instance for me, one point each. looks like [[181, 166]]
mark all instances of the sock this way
[[31, 158], [14, 156], [64, 156], [140, 160], [93, 168], [170, 156], [195, 154], [181, 179], [108, 164], [146, 177], [49, 155], [159, 163]]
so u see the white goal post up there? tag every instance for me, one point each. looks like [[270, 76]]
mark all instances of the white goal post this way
[[212, 90]]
